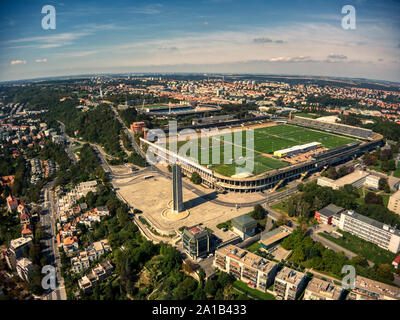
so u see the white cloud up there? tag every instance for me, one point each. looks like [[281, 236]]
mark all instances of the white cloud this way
[[15, 62], [41, 60]]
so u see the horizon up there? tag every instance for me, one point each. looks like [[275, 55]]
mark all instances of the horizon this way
[[287, 38]]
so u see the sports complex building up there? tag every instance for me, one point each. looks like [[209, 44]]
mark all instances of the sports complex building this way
[[327, 144]]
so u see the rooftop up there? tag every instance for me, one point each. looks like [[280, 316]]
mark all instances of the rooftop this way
[[290, 275], [330, 210], [376, 287], [371, 222], [244, 220], [324, 288]]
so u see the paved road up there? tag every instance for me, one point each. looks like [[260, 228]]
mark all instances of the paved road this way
[[50, 248], [68, 148]]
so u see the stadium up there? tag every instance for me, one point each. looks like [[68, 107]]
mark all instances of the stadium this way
[[284, 150]]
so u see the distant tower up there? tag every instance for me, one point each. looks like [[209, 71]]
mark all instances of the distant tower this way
[[177, 188], [290, 116], [101, 93]]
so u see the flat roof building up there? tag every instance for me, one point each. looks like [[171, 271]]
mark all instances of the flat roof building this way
[[289, 284], [196, 242], [273, 237], [297, 149], [370, 230], [394, 202], [248, 267], [356, 179], [367, 289], [318, 289], [325, 215], [244, 225]]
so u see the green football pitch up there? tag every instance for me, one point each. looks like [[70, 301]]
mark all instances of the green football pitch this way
[[225, 153]]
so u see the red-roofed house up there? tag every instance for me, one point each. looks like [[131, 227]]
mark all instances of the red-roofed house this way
[[396, 262], [12, 203], [27, 231]]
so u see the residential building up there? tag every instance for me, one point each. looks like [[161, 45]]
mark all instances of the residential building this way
[[248, 267], [17, 249], [84, 258], [274, 237], [289, 284], [394, 202], [196, 242], [367, 289], [318, 289], [12, 203], [325, 215], [24, 268], [370, 230], [245, 226], [100, 272]]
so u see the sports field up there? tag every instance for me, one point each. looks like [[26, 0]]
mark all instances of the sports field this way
[[266, 141]]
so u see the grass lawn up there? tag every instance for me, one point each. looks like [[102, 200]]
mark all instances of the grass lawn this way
[[254, 247], [363, 248], [282, 189], [254, 293], [226, 225], [281, 207], [253, 150]]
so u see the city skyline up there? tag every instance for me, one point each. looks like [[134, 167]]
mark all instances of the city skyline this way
[[219, 36]]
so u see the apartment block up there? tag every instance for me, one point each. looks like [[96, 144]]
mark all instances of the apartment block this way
[[367, 289], [394, 202], [246, 266], [289, 284], [24, 268], [370, 230], [318, 289]]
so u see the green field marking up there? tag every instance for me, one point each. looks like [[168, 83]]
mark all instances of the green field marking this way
[[266, 141]]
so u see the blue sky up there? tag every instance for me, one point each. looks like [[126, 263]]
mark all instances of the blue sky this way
[[275, 37]]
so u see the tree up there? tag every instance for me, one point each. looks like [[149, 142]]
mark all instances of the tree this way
[[384, 272], [195, 178], [258, 212], [331, 173], [211, 287]]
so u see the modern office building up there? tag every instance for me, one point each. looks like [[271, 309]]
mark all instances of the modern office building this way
[[177, 188], [289, 284], [325, 215], [245, 226], [318, 289], [367, 289], [246, 266], [196, 242], [394, 202], [370, 230]]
